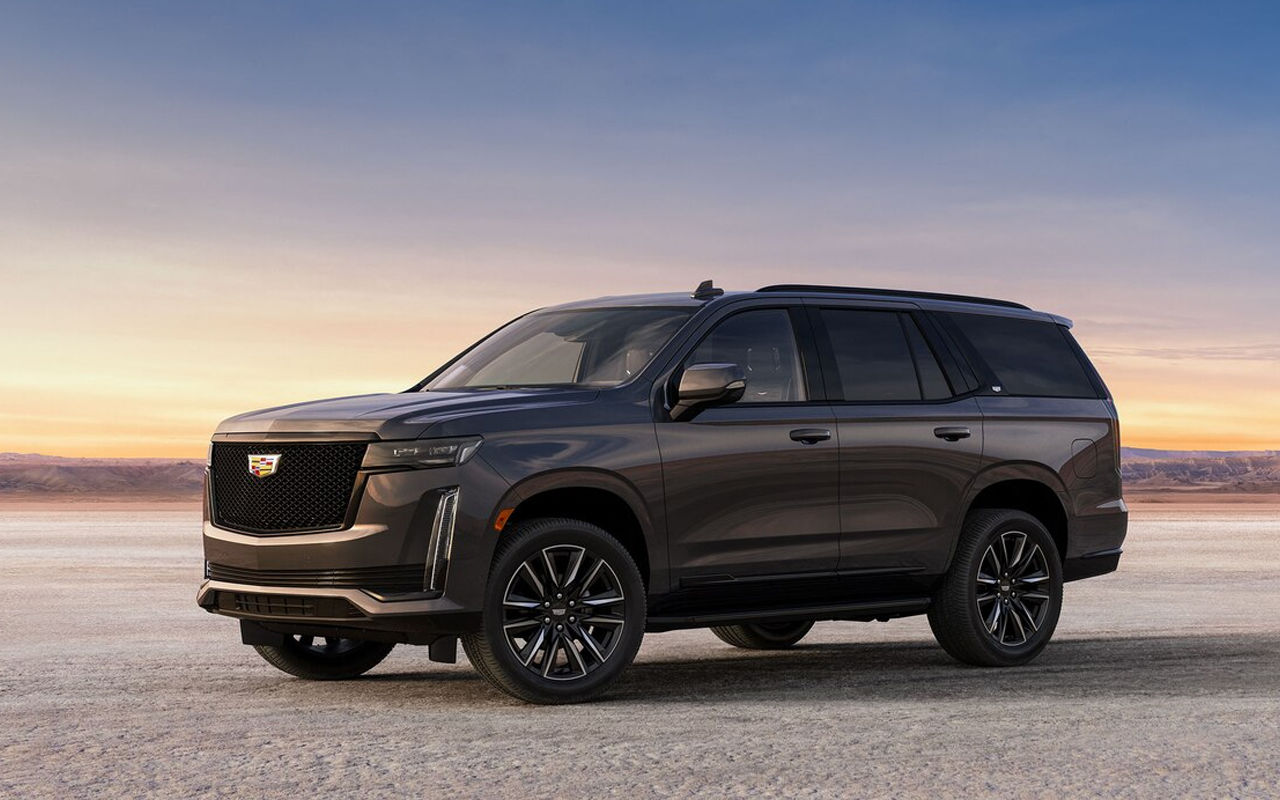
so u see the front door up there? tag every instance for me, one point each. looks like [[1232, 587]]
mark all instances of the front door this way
[[751, 487]]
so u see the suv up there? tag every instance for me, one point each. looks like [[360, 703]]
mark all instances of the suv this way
[[747, 461]]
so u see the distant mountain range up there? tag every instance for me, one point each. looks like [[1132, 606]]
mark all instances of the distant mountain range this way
[[1230, 471], [33, 475]]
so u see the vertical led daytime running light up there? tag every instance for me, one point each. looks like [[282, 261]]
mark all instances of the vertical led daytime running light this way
[[441, 545]]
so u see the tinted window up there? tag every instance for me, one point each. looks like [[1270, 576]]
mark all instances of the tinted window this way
[[764, 345], [1029, 357], [590, 347], [932, 382], [872, 355]]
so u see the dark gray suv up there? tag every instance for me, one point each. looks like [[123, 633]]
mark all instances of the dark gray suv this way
[[748, 462]]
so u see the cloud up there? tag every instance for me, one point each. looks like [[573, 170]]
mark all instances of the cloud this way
[[1244, 352]]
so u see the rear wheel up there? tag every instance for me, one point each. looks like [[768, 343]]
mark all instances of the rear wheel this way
[[563, 616], [763, 635], [324, 658], [999, 604]]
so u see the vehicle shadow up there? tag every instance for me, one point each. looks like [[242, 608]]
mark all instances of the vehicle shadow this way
[[1156, 666], [1241, 665]]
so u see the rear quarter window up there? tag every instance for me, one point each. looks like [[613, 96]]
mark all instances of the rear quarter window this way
[[1030, 357]]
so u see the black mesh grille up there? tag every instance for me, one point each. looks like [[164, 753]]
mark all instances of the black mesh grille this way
[[309, 489], [383, 580]]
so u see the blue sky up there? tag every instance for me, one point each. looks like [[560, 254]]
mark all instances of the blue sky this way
[[220, 163]]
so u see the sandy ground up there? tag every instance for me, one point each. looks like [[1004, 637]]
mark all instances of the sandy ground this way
[[1164, 680]]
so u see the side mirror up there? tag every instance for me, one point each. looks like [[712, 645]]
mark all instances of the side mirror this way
[[706, 385]]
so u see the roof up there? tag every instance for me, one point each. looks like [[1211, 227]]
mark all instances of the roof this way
[[931, 300]]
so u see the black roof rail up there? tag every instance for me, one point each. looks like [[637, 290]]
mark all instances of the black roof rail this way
[[953, 298]]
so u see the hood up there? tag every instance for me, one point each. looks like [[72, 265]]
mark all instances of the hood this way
[[405, 415]]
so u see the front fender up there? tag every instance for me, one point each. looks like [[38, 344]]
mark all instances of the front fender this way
[[604, 480]]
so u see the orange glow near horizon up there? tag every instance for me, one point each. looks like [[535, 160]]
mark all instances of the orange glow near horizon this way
[[148, 368]]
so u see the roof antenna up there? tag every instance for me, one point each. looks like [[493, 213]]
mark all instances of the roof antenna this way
[[706, 290]]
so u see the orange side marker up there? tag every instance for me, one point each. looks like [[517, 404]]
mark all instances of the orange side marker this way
[[500, 521]]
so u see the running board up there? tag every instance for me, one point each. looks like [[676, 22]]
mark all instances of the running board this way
[[868, 610]]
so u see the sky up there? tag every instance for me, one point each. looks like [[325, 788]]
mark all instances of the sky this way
[[212, 207]]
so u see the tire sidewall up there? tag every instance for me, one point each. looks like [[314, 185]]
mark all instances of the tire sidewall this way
[[780, 636], [533, 538]]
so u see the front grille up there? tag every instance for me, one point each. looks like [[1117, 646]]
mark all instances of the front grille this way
[[278, 605], [309, 490], [381, 580]]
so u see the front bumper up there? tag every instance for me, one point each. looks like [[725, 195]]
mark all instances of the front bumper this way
[[351, 613], [287, 582]]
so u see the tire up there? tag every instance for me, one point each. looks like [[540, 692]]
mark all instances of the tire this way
[[324, 658], [763, 635], [999, 604], [557, 567]]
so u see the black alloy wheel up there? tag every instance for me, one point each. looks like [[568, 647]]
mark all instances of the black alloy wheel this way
[[564, 613], [999, 603]]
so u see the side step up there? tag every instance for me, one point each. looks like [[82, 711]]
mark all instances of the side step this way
[[866, 610]]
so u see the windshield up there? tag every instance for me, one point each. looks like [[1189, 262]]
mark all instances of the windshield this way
[[598, 347]]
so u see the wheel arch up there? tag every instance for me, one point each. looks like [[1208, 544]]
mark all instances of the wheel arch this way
[[597, 497], [1032, 488]]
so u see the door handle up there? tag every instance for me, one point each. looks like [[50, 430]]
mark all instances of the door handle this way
[[810, 435], [951, 434]]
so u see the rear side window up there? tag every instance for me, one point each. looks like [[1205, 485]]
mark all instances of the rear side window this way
[[882, 357], [932, 382], [1029, 357]]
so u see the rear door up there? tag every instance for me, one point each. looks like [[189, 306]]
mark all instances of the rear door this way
[[751, 487], [910, 440]]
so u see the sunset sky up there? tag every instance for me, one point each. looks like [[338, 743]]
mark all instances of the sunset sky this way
[[212, 207]]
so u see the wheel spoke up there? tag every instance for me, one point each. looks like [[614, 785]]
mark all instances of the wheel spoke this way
[[1017, 621], [600, 602], [993, 558], [1025, 615], [585, 584], [519, 625], [1020, 543], [575, 563], [1038, 577], [589, 642], [532, 647], [994, 619], [603, 620], [537, 584], [552, 577], [573, 654], [550, 659], [1039, 596], [1020, 567], [1002, 629], [514, 601]]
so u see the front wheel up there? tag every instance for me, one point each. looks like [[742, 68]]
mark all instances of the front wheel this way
[[324, 658], [999, 604], [564, 613]]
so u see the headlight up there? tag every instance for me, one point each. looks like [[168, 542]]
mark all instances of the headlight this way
[[422, 453]]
